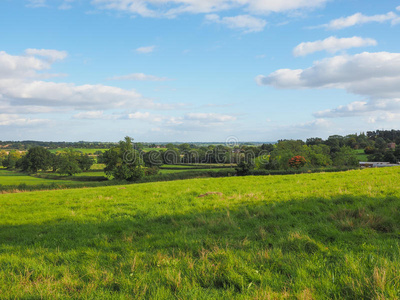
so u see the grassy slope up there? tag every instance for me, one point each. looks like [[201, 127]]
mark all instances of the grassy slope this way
[[305, 236]]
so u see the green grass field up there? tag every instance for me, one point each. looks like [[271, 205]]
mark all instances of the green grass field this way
[[309, 236], [14, 178], [361, 156]]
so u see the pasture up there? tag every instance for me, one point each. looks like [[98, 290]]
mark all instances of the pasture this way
[[308, 236], [14, 178]]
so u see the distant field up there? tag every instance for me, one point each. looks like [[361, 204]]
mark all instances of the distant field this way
[[83, 150], [309, 236], [13, 178], [361, 155], [98, 167]]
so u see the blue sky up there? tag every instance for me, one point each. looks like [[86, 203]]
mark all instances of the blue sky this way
[[197, 70]]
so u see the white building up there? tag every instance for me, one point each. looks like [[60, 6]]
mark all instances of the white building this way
[[376, 164]]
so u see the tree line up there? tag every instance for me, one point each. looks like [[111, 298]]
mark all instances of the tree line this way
[[67, 162]]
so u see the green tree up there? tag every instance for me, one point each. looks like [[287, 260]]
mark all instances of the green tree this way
[[37, 158], [68, 165], [244, 167], [11, 160], [3, 157], [123, 162], [345, 157], [152, 159], [390, 157], [380, 144], [85, 162]]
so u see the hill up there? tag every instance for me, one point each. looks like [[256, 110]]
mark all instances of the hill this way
[[332, 235]]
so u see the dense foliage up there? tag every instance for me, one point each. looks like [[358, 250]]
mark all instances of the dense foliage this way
[[123, 162]]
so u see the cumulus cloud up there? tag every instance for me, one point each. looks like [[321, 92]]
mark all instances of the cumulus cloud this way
[[375, 76], [359, 19], [332, 45], [52, 55], [146, 116], [17, 120], [20, 87], [144, 50], [246, 23], [374, 109], [209, 117], [139, 77], [362, 74], [172, 8], [93, 115]]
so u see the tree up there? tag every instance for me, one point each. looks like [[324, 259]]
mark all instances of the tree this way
[[3, 157], [11, 160], [68, 165], [152, 159], [267, 147], [68, 162], [380, 144], [397, 152], [244, 167], [37, 158], [85, 162], [297, 162], [123, 162], [390, 157], [345, 157]]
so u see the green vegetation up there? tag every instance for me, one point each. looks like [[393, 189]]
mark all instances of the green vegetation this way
[[14, 178], [310, 236], [82, 150], [123, 162], [180, 170]]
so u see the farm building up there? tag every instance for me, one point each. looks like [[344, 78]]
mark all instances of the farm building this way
[[374, 164]]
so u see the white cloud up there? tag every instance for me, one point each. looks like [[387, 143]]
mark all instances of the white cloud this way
[[20, 87], [144, 50], [358, 19], [146, 116], [36, 3], [139, 77], [332, 45], [246, 23], [17, 120], [372, 109], [90, 115], [375, 76], [209, 117], [66, 5], [362, 74], [172, 8], [52, 55]]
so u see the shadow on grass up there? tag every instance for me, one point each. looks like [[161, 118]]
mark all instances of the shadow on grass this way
[[272, 247], [346, 220]]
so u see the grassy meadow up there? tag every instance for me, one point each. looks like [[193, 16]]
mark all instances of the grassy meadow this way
[[15, 178], [308, 236]]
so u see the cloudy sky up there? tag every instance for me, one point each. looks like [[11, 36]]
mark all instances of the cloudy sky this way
[[197, 70]]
